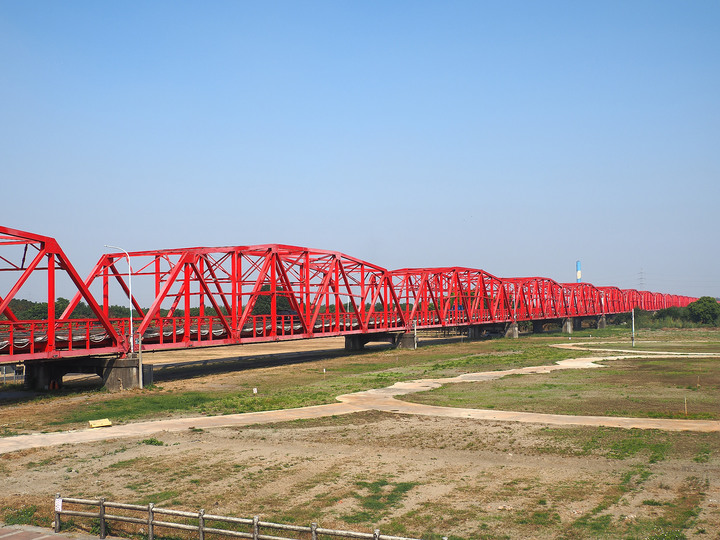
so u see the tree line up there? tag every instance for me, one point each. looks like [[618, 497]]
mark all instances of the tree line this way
[[704, 311]]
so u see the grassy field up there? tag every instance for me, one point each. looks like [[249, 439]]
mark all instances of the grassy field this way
[[286, 386], [656, 387], [406, 475], [650, 388]]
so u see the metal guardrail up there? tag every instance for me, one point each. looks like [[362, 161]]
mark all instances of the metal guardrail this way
[[150, 513], [12, 374]]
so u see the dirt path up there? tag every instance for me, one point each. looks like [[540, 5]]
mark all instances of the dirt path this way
[[384, 399]]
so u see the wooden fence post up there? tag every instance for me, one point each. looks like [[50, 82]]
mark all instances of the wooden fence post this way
[[201, 524], [376, 534], [313, 530], [58, 509], [256, 528], [151, 522], [103, 533]]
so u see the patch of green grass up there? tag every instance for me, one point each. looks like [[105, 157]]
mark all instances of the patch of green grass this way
[[126, 463], [621, 443], [541, 518], [41, 463], [638, 441], [95, 528], [139, 486], [644, 388], [666, 534], [159, 497], [703, 454], [376, 498], [136, 406], [595, 521], [152, 441], [25, 515], [677, 516]]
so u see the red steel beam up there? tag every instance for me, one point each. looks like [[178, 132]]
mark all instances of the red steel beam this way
[[53, 337], [205, 296]]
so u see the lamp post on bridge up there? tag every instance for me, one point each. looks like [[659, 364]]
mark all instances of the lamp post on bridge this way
[[132, 328]]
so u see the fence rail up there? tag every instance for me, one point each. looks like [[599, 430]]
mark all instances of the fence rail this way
[[149, 513]]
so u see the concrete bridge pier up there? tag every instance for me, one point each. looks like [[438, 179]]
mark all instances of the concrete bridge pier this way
[[475, 332], [571, 324], [122, 373], [43, 375], [117, 373], [407, 341], [404, 340], [511, 331], [601, 322], [355, 342]]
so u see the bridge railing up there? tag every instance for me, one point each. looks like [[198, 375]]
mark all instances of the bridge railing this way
[[70, 337]]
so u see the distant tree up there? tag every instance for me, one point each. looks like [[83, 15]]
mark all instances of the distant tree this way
[[82, 311], [674, 312], [263, 303], [705, 310]]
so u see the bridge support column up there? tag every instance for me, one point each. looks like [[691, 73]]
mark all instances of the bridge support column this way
[[407, 341], [512, 331], [475, 332], [354, 343], [538, 327], [43, 375], [122, 373], [567, 326], [601, 322]]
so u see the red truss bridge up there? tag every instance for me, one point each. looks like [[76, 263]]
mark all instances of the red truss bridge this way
[[199, 297]]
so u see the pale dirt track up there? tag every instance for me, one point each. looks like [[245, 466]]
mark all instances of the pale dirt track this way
[[382, 400]]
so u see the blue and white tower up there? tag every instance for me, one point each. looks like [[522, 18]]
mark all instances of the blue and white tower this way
[[578, 272]]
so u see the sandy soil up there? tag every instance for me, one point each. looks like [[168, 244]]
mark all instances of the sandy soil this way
[[469, 478], [469, 475]]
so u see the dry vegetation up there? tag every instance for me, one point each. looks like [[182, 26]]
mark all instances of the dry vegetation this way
[[418, 476]]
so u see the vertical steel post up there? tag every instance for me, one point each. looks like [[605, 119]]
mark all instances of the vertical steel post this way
[[132, 337], [106, 292], [51, 303]]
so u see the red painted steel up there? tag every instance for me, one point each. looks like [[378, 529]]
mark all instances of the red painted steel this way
[[55, 336], [197, 297]]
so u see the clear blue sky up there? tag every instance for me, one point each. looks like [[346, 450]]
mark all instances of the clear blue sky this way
[[514, 136]]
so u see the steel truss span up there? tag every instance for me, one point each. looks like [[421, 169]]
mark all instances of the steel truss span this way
[[198, 297]]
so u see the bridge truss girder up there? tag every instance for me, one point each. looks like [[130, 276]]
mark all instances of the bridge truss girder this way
[[196, 297]]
